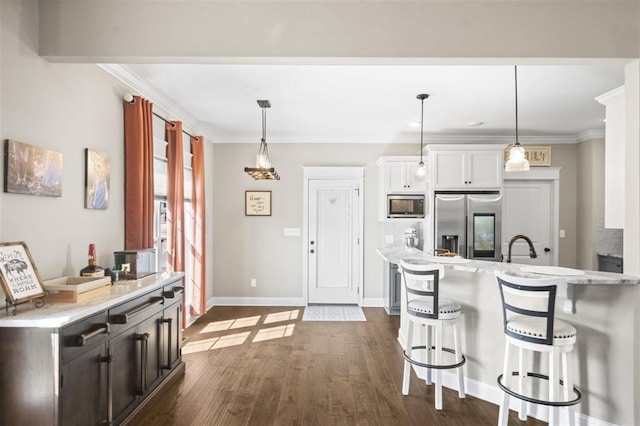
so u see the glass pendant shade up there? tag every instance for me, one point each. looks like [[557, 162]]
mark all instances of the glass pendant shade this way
[[517, 161], [421, 171]]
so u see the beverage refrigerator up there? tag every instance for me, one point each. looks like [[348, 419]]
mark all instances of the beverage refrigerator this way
[[469, 223]]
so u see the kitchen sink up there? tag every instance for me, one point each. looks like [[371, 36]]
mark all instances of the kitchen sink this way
[[551, 270]]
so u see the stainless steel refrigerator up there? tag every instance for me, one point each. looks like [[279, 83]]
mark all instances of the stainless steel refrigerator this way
[[469, 223]]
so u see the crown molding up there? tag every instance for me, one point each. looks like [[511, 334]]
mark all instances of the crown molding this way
[[611, 96], [159, 99], [588, 135]]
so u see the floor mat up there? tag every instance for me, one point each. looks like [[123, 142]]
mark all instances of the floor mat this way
[[333, 313]]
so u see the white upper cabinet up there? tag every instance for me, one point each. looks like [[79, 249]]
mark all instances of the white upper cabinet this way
[[466, 166], [399, 176]]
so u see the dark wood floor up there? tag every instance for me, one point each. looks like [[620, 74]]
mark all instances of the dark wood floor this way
[[264, 366]]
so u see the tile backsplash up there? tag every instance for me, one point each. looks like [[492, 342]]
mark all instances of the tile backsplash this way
[[394, 232], [609, 241]]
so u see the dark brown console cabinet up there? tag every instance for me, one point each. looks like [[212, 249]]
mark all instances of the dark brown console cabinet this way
[[96, 370]]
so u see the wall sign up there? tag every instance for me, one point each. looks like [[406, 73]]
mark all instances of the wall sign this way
[[257, 203], [535, 155]]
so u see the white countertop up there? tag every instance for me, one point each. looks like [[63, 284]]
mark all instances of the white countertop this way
[[54, 315], [395, 254]]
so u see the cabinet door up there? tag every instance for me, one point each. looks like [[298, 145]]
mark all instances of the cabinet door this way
[[449, 170], [484, 169], [415, 183], [83, 389], [395, 177], [148, 346], [125, 382], [170, 353]]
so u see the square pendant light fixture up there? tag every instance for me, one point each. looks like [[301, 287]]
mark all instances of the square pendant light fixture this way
[[263, 169], [517, 161]]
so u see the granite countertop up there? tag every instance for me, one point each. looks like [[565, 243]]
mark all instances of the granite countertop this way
[[54, 315], [571, 276]]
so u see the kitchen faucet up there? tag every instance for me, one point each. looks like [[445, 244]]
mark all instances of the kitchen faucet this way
[[532, 251]]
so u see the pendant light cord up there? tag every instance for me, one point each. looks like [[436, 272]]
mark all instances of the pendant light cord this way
[[421, 128], [264, 125], [516, 80]]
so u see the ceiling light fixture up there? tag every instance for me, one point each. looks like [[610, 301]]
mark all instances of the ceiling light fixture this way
[[421, 171], [517, 161], [263, 169]]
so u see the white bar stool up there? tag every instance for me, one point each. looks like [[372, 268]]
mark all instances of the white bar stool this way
[[421, 283], [528, 306]]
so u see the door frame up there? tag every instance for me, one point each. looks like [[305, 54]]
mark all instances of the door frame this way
[[547, 174], [331, 173]]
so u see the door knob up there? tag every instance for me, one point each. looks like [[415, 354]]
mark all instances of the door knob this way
[[547, 249]]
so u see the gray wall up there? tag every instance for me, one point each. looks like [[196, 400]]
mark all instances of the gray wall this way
[[564, 156], [590, 201], [254, 247], [66, 108]]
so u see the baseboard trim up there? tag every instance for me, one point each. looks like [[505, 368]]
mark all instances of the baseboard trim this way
[[493, 394], [257, 301], [372, 302]]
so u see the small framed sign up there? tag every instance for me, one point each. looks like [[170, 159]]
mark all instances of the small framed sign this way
[[257, 203], [18, 275], [537, 156]]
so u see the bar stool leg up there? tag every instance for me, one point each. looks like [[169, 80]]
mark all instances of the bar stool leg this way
[[458, 350], [407, 365], [568, 385], [553, 385], [522, 376], [438, 362], [503, 415], [429, 353]]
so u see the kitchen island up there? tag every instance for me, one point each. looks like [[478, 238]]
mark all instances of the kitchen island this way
[[604, 316], [91, 362]]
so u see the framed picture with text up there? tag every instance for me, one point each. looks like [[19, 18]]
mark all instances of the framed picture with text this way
[[257, 203], [18, 275]]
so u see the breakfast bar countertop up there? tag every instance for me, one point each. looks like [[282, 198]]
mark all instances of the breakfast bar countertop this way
[[568, 275]]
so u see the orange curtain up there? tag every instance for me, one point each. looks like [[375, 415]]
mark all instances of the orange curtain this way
[[138, 174], [175, 197], [198, 295]]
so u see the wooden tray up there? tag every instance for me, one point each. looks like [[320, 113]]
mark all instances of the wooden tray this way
[[76, 289]]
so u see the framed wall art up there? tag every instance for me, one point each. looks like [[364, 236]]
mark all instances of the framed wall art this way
[[257, 203], [96, 179], [19, 276], [32, 170]]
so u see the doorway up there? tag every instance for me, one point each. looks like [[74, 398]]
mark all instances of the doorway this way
[[531, 208], [333, 228]]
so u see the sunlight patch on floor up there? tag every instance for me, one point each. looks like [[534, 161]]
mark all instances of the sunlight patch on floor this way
[[282, 316], [231, 340], [230, 324], [199, 346], [274, 333]]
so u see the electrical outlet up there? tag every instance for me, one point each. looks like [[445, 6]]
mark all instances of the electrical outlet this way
[[253, 282], [562, 233]]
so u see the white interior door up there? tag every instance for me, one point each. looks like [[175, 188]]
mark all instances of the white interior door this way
[[528, 210], [333, 240]]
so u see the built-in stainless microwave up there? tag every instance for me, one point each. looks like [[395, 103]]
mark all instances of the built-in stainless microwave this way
[[405, 206]]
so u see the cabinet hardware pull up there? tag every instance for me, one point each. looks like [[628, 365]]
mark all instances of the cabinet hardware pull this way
[[108, 359], [169, 294], [124, 318], [83, 339], [144, 352], [169, 339]]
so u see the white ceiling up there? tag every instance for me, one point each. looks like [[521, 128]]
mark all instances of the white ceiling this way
[[377, 103]]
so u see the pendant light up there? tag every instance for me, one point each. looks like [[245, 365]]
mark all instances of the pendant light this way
[[263, 169], [517, 161], [421, 171]]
